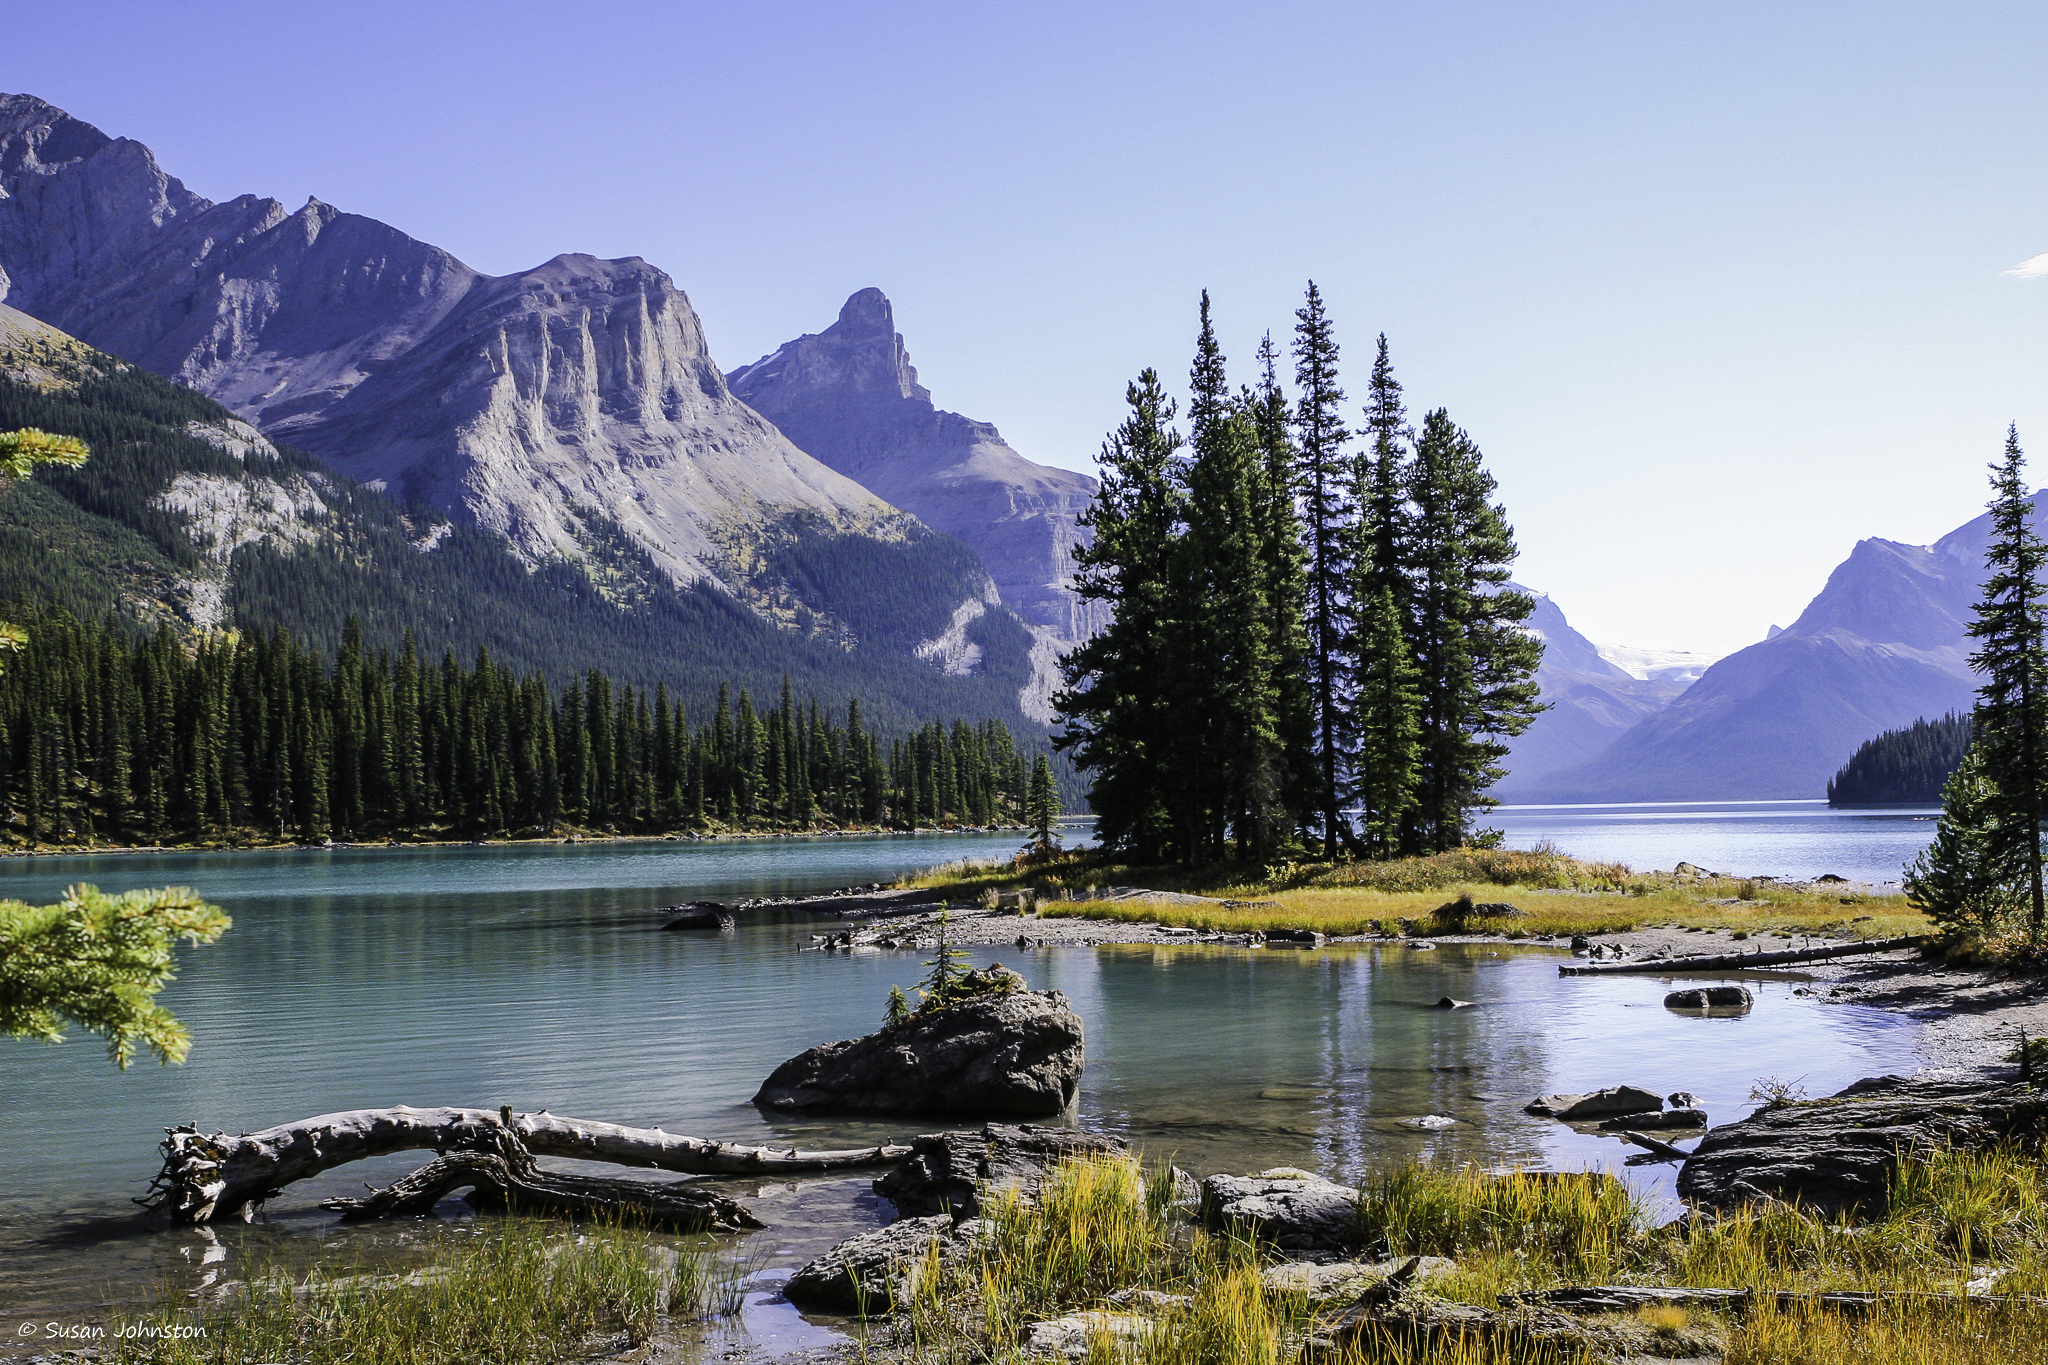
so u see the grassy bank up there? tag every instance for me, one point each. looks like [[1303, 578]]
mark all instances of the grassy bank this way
[[508, 1291], [1101, 1237], [1557, 895]]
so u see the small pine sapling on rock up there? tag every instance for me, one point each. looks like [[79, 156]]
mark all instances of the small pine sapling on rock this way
[[948, 969], [899, 1008]]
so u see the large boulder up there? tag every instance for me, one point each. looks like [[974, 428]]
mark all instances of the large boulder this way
[[1293, 1210], [1011, 1055], [869, 1274], [1838, 1154], [949, 1172]]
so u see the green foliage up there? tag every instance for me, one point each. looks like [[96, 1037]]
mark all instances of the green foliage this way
[[1902, 766], [2011, 720], [944, 983], [1329, 512], [98, 961], [1041, 807], [107, 738], [899, 1008], [1968, 878], [21, 451]]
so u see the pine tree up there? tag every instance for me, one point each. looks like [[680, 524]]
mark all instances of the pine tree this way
[[1115, 707], [1476, 665], [1969, 876], [1042, 807], [1328, 515], [1286, 593], [1389, 706], [2011, 718]]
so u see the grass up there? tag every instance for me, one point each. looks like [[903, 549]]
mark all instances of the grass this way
[[507, 1292], [1559, 896], [1101, 1230]]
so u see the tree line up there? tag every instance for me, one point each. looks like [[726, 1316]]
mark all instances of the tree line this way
[[1902, 766], [110, 737], [1312, 644]]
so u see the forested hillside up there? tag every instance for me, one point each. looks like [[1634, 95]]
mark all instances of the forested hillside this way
[[186, 517], [1903, 766], [106, 737]]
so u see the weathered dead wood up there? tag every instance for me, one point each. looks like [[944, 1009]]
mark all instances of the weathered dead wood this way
[[1663, 1149], [509, 1177], [209, 1176], [1623, 1298], [1735, 962]]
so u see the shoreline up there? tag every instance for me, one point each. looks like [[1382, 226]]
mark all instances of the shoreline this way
[[1968, 1017]]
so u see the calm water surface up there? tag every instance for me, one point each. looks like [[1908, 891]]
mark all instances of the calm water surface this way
[[1772, 838], [535, 977]]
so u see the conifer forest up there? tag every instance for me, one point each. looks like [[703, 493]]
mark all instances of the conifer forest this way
[[1313, 644], [111, 737]]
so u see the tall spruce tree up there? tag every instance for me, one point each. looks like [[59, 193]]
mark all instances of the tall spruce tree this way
[[1286, 593], [2012, 656], [1389, 730], [1230, 726], [1476, 665], [1116, 704], [1328, 513]]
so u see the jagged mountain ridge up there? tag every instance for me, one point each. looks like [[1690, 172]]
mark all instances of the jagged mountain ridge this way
[[187, 517], [558, 407], [850, 396], [1882, 645]]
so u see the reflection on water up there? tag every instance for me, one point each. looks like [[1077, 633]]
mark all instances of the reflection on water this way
[[534, 978], [1751, 838]]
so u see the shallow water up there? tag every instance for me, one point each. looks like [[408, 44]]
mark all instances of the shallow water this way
[[535, 977]]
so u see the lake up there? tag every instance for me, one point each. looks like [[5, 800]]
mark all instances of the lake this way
[[536, 977]]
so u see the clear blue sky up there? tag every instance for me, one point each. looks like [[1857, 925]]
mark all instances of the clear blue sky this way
[[1719, 288]]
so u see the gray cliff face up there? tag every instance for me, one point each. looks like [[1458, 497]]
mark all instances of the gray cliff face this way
[[1880, 647], [525, 404], [849, 396]]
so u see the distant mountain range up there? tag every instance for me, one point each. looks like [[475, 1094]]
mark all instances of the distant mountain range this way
[[572, 410], [1880, 647]]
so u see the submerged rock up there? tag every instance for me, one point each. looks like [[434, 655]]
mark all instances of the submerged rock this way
[[1689, 1117], [1294, 1210], [949, 1172], [1838, 1153], [1012, 1055], [868, 1274], [1596, 1104]]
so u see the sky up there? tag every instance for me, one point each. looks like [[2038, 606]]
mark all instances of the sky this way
[[1719, 289]]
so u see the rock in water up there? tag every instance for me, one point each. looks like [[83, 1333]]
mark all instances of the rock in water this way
[[1728, 999], [949, 1172], [1838, 1153], [870, 1273], [1294, 1210], [1597, 1104], [1689, 1117], [1017, 1055]]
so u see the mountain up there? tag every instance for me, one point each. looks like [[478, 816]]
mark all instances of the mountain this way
[[188, 517], [572, 409], [849, 396], [1879, 648], [1592, 700]]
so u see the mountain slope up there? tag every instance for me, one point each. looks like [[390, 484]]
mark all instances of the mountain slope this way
[[1880, 647], [1592, 701], [560, 407], [849, 396], [185, 516]]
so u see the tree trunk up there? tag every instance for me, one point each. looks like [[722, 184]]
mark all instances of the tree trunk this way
[[1736, 962], [208, 1176], [509, 1177]]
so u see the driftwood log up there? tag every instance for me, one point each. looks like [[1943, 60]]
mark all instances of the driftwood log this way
[[210, 1176], [1626, 1298], [508, 1177], [1735, 962]]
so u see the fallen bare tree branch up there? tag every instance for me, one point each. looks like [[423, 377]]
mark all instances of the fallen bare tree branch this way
[[1735, 962], [509, 1177], [1621, 1298], [209, 1176]]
